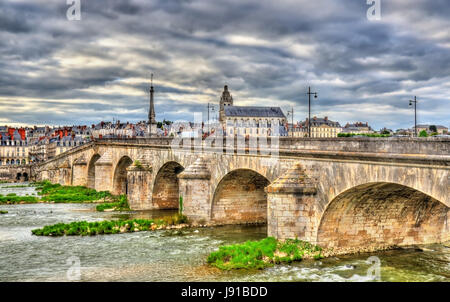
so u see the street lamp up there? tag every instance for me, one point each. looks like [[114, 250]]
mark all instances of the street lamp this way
[[291, 112], [210, 106], [309, 108], [415, 113]]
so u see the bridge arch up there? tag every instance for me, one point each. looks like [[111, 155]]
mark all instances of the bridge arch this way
[[382, 214], [120, 180], [91, 171], [239, 197], [166, 186]]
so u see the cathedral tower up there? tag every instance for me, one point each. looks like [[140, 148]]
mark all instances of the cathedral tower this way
[[225, 100]]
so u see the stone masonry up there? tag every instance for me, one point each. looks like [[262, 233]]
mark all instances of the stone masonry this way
[[335, 192]]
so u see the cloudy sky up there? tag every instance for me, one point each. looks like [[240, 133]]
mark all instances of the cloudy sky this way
[[59, 72]]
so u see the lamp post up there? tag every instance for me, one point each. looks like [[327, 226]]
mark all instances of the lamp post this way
[[415, 113], [291, 112], [210, 106], [309, 108]]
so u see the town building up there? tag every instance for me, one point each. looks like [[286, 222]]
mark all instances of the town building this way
[[358, 128], [250, 120], [430, 129], [320, 127], [404, 132], [385, 130], [14, 146]]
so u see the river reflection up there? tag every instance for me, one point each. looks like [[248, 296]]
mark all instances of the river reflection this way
[[175, 255]]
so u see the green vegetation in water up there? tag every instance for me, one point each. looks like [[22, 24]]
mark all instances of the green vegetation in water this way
[[17, 186], [12, 198], [3, 212], [67, 194], [84, 228], [180, 206], [120, 205], [263, 253]]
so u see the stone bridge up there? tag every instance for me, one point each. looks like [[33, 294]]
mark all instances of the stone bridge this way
[[340, 193], [15, 173]]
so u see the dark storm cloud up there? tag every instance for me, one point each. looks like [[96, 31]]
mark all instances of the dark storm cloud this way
[[268, 52]]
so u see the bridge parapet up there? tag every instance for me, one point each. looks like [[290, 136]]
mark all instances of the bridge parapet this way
[[394, 145]]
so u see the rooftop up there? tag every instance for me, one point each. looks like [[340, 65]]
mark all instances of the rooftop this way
[[254, 111]]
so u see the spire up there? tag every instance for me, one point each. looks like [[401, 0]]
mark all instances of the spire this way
[[151, 113]]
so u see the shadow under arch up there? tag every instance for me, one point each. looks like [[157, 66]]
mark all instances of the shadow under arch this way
[[166, 189], [382, 215], [91, 171], [120, 180], [240, 198]]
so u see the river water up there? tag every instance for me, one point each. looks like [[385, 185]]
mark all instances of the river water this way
[[170, 255]]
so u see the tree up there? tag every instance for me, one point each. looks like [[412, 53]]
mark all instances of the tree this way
[[433, 128], [423, 133]]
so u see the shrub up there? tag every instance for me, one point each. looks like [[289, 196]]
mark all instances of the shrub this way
[[138, 163], [423, 133]]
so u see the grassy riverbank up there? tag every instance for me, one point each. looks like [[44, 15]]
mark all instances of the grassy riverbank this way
[[3, 212], [83, 228], [263, 253]]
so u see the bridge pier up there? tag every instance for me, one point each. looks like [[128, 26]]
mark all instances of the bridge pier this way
[[139, 180], [64, 174], [195, 190], [53, 175], [103, 173], [292, 211], [79, 172]]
